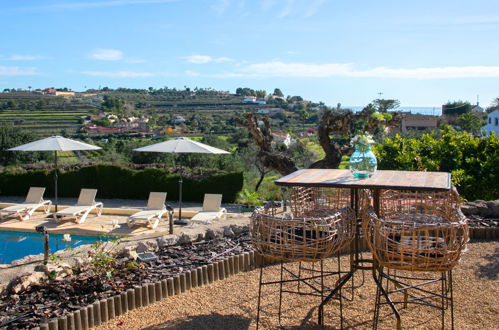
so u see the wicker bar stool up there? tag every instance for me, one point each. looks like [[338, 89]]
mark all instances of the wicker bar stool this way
[[416, 232], [318, 226]]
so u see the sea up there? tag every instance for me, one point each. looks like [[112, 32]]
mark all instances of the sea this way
[[431, 111]]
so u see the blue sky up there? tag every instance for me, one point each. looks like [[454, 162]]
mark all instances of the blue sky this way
[[423, 53]]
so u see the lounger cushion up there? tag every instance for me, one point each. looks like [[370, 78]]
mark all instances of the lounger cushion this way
[[208, 217], [145, 215], [73, 210], [19, 207]]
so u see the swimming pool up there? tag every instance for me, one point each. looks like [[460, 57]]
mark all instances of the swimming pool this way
[[16, 245]]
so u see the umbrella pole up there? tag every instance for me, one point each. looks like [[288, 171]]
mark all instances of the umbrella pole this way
[[180, 181], [55, 180]]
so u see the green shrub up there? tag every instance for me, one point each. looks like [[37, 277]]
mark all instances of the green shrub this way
[[119, 182], [472, 161]]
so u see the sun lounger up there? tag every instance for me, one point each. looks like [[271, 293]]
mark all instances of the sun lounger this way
[[153, 212], [211, 210], [23, 211], [86, 203]]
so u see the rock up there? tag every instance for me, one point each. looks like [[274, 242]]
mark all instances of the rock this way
[[200, 237], [129, 253], [166, 241], [477, 207], [493, 208], [153, 245], [184, 239], [25, 281], [133, 255], [147, 246], [210, 234], [469, 209], [238, 230], [228, 232], [79, 262], [66, 271]]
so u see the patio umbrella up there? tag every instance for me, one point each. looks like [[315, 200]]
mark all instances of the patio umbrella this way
[[55, 143], [181, 145]]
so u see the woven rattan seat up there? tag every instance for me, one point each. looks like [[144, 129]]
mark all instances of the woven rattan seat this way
[[309, 238], [421, 231]]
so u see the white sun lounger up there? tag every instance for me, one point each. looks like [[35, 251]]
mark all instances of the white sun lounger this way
[[211, 210], [153, 212], [86, 203], [23, 211]]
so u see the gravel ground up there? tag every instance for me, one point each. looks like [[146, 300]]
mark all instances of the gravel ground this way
[[231, 304]]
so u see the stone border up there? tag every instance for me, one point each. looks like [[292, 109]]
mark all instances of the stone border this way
[[143, 295]]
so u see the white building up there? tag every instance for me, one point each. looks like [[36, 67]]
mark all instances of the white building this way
[[178, 120], [477, 109], [284, 138], [492, 123]]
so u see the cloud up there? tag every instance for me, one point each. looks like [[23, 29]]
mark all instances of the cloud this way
[[305, 70], [286, 10], [21, 58], [106, 54], [220, 6], [192, 73], [201, 59], [313, 8], [135, 60], [119, 74], [17, 71], [450, 20], [267, 4], [97, 4]]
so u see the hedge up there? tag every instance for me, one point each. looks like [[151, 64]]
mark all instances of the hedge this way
[[472, 161], [119, 182]]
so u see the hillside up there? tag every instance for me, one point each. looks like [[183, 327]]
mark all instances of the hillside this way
[[202, 111]]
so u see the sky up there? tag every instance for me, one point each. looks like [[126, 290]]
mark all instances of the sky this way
[[423, 53]]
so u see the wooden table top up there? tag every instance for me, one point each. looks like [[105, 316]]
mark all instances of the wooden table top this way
[[400, 180]]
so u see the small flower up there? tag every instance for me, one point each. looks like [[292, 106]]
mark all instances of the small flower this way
[[66, 237], [364, 139]]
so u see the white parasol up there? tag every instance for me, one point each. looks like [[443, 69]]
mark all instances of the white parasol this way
[[55, 143], [181, 145]]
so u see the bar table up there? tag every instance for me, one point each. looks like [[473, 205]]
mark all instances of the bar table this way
[[335, 178]]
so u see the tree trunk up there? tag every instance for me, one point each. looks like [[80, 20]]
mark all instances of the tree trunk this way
[[262, 176], [263, 138]]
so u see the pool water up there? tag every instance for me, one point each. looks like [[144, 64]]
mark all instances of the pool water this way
[[16, 245]]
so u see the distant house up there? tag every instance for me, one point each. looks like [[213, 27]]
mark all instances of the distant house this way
[[249, 99], [477, 109], [271, 97], [178, 120], [283, 138], [419, 122], [252, 100], [49, 91], [492, 123]]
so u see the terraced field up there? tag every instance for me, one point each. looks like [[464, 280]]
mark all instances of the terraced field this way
[[43, 115]]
